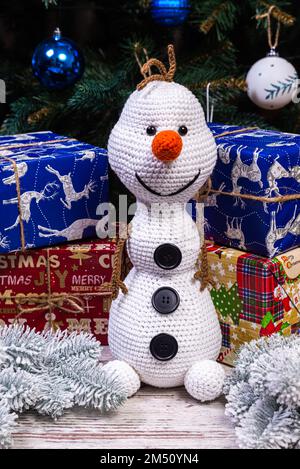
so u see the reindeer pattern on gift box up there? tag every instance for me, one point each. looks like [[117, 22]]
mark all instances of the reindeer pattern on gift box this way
[[295, 228], [22, 169], [253, 173], [243, 170], [27, 197], [295, 173], [78, 172], [239, 170], [271, 160], [211, 200], [4, 241], [234, 231], [70, 194], [86, 155], [276, 233], [224, 152], [276, 171], [71, 233]]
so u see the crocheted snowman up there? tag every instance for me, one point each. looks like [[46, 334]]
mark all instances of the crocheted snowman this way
[[164, 331]]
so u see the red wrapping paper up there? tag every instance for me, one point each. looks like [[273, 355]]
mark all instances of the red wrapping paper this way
[[78, 274]]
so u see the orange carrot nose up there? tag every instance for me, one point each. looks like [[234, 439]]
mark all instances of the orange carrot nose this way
[[167, 145]]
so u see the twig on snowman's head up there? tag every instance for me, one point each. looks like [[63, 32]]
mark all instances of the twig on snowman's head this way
[[163, 74]]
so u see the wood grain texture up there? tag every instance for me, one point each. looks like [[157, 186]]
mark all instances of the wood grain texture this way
[[153, 418]]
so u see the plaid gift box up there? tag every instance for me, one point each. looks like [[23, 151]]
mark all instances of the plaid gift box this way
[[254, 296]]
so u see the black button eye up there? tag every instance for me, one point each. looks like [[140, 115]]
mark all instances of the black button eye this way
[[182, 130], [151, 130]]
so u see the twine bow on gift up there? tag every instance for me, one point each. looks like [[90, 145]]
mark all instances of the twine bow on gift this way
[[55, 300], [66, 302]]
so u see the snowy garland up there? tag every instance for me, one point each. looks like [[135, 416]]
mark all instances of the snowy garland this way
[[263, 394], [51, 372]]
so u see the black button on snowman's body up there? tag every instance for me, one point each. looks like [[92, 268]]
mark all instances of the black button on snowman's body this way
[[164, 347], [165, 300], [167, 256]]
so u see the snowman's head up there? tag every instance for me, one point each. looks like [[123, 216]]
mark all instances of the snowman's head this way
[[161, 147]]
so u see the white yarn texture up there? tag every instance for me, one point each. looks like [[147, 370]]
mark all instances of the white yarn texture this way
[[204, 380], [163, 219], [119, 369]]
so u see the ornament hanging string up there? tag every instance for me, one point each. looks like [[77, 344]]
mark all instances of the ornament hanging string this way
[[268, 15]]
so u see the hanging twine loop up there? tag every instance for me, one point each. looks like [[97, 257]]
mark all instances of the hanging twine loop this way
[[273, 45], [163, 75]]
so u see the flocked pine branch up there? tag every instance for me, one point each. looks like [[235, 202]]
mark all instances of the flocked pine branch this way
[[263, 394], [50, 373], [7, 424]]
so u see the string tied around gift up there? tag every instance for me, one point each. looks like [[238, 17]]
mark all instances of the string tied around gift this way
[[50, 301], [66, 302], [17, 178], [207, 189], [203, 274], [163, 75], [55, 300]]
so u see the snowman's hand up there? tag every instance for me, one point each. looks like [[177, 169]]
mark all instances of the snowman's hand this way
[[205, 380], [125, 374]]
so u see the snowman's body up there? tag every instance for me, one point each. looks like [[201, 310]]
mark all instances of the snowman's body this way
[[134, 321], [164, 331]]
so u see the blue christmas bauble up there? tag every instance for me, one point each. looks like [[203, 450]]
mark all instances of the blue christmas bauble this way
[[170, 12], [57, 62]]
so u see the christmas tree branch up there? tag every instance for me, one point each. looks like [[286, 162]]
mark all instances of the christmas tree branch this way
[[47, 3], [229, 83], [284, 18], [214, 17]]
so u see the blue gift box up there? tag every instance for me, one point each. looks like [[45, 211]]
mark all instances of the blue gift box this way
[[50, 188], [265, 166]]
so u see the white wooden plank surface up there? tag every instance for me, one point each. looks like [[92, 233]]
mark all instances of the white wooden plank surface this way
[[153, 418]]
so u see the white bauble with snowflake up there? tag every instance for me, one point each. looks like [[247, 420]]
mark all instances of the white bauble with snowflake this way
[[272, 82]]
